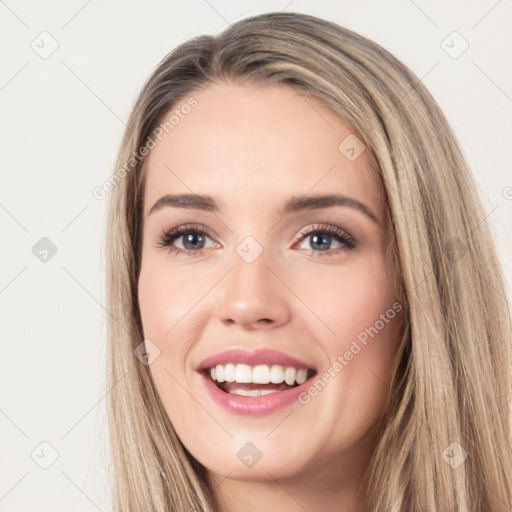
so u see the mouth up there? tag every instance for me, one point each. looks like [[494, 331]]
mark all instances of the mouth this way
[[259, 380]]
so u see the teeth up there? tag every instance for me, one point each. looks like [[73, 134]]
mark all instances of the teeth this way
[[289, 376], [243, 373], [301, 376], [220, 373], [230, 372], [276, 374], [260, 374], [253, 392]]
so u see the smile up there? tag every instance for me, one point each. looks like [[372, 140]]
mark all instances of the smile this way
[[246, 380], [255, 382]]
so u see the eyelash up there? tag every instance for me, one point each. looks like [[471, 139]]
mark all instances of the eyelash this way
[[168, 237]]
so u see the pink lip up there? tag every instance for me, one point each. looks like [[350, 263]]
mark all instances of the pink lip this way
[[253, 358], [253, 405]]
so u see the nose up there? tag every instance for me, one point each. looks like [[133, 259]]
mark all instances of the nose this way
[[252, 296]]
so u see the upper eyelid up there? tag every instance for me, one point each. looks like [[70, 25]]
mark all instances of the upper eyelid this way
[[315, 226]]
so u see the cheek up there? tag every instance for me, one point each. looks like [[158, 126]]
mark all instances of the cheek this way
[[362, 315], [171, 306], [166, 297], [347, 299], [164, 302]]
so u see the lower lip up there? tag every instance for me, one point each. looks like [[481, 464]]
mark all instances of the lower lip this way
[[253, 405]]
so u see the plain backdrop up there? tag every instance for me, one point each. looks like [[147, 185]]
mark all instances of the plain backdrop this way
[[69, 74]]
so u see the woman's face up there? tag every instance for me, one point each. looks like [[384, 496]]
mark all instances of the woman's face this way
[[282, 259]]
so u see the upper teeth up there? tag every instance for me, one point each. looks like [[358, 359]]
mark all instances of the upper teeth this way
[[261, 374]]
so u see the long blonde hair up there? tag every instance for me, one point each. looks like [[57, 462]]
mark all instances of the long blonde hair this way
[[454, 366]]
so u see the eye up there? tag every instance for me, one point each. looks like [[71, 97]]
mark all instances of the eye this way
[[322, 235], [193, 239]]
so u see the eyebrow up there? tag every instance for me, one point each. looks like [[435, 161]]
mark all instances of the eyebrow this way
[[293, 205]]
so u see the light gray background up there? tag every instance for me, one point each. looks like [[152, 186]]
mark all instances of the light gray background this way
[[60, 126]]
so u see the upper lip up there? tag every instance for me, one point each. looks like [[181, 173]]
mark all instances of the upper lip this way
[[253, 358]]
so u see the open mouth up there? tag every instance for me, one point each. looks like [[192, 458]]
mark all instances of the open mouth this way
[[245, 380]]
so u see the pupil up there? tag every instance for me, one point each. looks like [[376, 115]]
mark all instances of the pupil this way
[[192, 240], [324, 238]]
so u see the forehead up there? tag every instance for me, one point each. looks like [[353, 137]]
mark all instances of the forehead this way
[[254, 144]]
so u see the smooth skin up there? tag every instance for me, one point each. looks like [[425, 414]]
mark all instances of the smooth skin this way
[[251, 148]]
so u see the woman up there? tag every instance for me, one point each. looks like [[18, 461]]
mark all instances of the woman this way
[[306, 306]]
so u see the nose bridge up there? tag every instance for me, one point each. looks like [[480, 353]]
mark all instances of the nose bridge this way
[[251, 292]]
